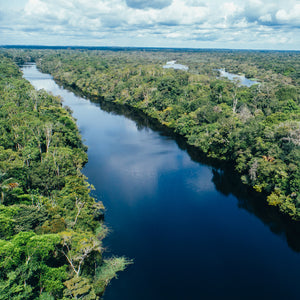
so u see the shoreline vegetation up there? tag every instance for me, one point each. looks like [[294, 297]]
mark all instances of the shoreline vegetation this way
[[51, 229], [255, 128]]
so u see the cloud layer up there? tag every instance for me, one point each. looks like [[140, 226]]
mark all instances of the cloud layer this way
[[267, 24], [143, 4]]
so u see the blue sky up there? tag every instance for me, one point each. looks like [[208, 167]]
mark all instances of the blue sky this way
[[238, 24]]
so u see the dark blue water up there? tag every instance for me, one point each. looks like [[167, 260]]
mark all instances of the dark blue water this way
[[193, 231]]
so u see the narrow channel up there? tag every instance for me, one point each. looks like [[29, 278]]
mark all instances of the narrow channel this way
[[193, 231]]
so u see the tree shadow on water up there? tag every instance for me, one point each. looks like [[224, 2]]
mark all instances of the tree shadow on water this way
[[226, 180]]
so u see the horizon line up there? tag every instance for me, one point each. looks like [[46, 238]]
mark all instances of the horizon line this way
[[140, 48]]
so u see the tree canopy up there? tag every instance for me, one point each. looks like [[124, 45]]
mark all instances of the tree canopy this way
[[50, 233], [255, 128]]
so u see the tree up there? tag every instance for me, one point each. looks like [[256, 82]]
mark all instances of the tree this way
[[77, 247], [6, 185], [23, 263]]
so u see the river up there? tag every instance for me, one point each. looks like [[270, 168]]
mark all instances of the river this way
[[193, 230], [240, 78]]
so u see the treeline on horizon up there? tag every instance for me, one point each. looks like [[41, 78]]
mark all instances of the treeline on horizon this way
[[257, 129], [51, 229]]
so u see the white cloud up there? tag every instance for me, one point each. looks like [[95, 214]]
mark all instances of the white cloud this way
[[195, 3], [35, 7], [266, 18], [291, 16], [171, 23], [230, 8], [179, 13]]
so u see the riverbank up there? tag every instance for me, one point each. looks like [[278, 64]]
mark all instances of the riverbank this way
[[223, 120], [51, 228], [163, 202]]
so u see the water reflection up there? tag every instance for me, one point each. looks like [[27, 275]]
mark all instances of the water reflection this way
[[241, 79], [188, 222], [227, 182], [224, 178], [172, 65]]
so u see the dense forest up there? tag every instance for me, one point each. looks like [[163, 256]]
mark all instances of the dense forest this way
[[51, 229], [257, 128]]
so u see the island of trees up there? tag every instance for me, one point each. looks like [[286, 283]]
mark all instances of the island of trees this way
[[51, 229]]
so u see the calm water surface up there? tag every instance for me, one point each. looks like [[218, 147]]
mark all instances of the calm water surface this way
[[242, 79], [192, 230]]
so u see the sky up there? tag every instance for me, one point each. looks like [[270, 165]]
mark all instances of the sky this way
[[233, 24]]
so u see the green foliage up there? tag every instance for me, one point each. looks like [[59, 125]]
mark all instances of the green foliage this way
[[108, 270], [7, 221], [80, 288], [255, 128], [49, 225], [23, 259]]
